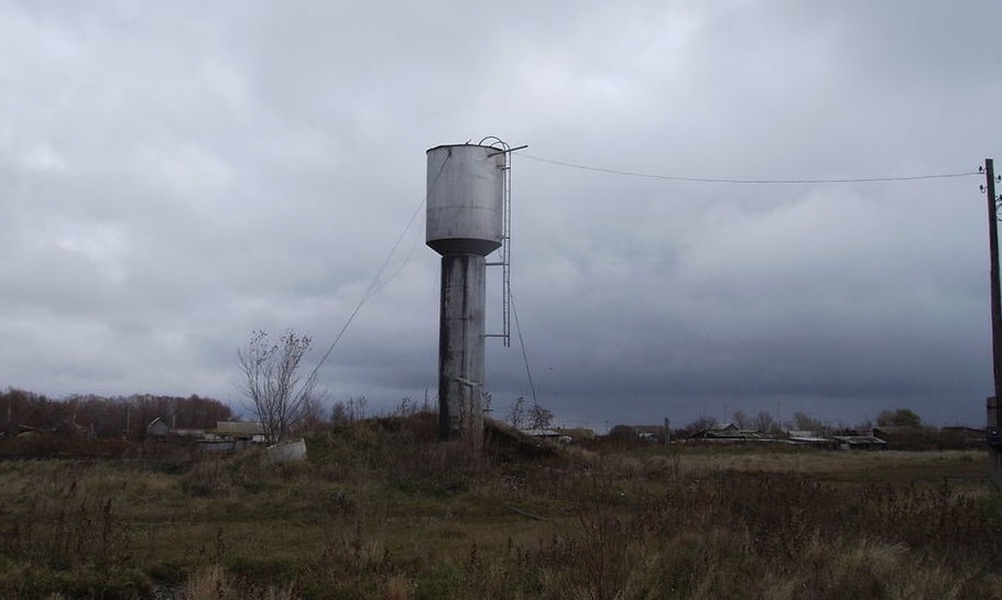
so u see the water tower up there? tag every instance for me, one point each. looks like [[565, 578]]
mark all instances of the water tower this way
[[468, 218]]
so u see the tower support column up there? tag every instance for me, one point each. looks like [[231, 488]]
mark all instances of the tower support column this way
[[461, 347]]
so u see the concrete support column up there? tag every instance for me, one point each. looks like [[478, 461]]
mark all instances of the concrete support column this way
[[461, 347]]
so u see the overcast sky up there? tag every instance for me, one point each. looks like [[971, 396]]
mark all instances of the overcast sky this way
[[174, 175]]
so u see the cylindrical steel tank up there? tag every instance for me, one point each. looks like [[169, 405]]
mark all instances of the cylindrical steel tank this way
[[465, 199]]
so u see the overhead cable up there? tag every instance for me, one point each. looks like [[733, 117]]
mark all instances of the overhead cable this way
[[377, 283], [525, 356], [739, 181], [374, 286]]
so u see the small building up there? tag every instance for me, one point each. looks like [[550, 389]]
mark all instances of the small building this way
[[540, 432], [233, 436], [811, 438], [158, 428], [859, 442], [550, 434], [902, 438], [650, 433], [963, 437], [253, 432], [217, 446], [189, 433], [578, 434], [732, 433], [804, 433]]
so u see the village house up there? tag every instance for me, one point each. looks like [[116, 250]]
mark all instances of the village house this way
[[900, 437], [158, 428], [859, 442], [731, 433], [233, 436]]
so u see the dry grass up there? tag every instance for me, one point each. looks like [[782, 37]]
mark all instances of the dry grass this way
[[381, 511]]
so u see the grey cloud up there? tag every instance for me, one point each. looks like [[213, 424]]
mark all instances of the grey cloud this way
[[173, 176]]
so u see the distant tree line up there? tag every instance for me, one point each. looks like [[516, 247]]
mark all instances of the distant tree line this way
[[765, 422], [120, 416]]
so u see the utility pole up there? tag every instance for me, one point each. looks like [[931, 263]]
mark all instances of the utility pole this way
[[994, 431], [993, 243]]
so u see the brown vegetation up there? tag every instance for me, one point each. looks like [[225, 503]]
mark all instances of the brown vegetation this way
[[96, 416], [382, 511]]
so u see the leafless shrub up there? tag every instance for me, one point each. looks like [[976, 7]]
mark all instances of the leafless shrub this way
[[274, 383]]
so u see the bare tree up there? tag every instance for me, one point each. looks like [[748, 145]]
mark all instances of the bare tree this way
[[516, 415], [902, 417], [763, 421], [540, 418], [805, 422], [313, 414], [274, 383], [698, 425], [347, 413]]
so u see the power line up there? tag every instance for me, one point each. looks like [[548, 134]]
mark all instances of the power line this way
[[374, 286], [377, 283], [737, 181], [525, 356]]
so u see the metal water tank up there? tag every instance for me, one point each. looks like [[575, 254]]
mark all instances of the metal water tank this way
[[465, 199]]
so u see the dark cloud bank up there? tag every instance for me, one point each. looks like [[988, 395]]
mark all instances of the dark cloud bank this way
[[173, 177]]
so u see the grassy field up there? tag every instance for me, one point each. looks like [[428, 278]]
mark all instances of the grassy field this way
[[380, 510]]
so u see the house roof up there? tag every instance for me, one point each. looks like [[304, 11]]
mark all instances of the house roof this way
[[897, 430], [541, 432], [732, 433], [860, 440], [962, 429], [809, 439], [158, 427], [803, 433], [655, 429]]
